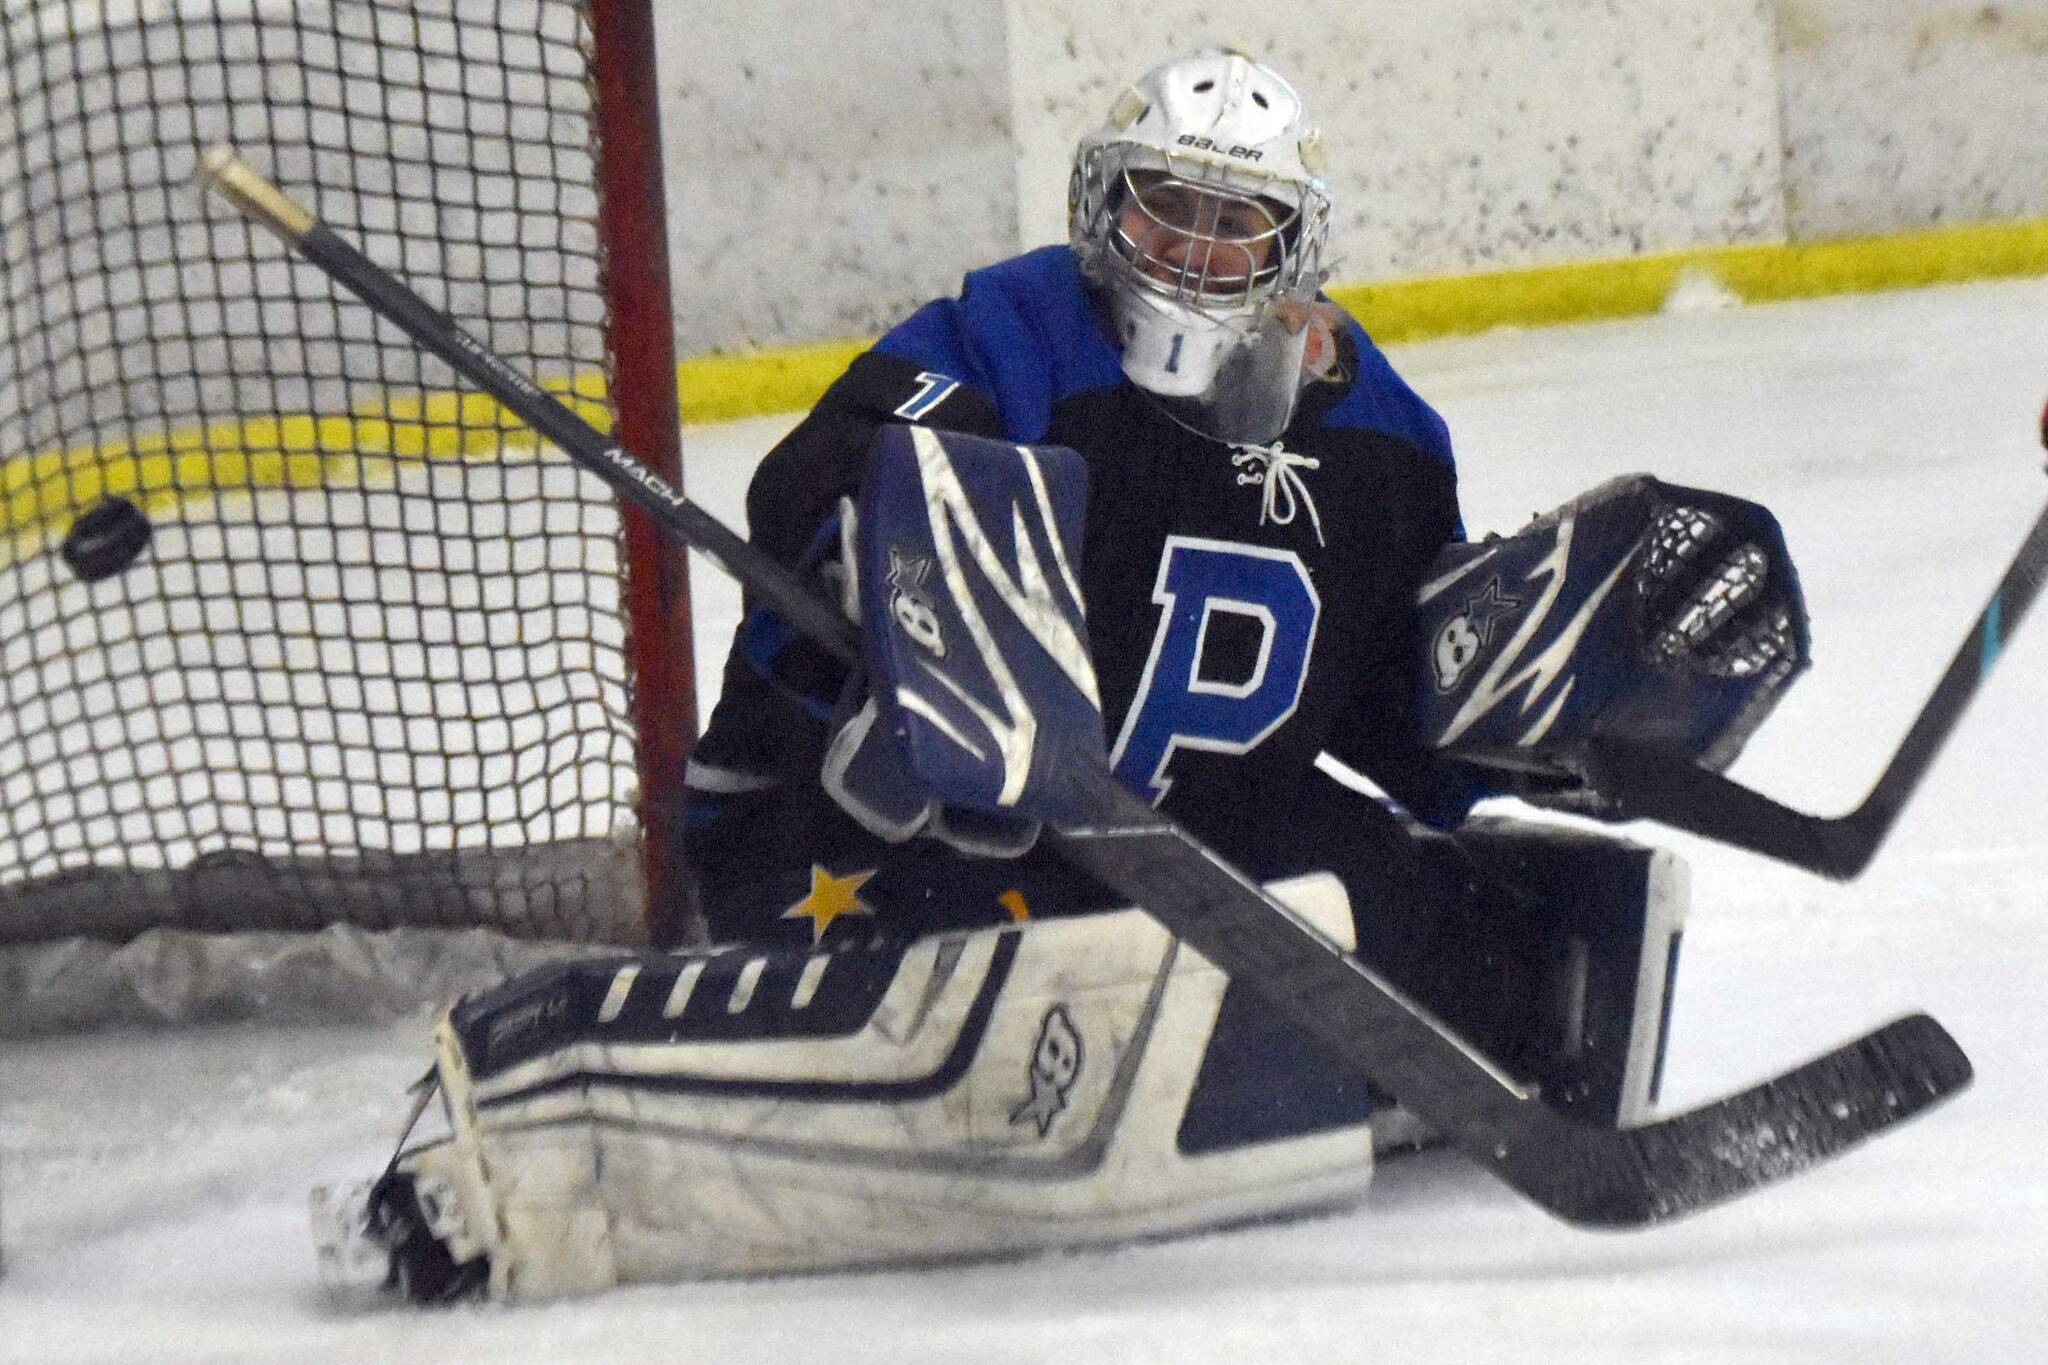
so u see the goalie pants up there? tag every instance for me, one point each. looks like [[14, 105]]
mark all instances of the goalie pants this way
[[787, 868]]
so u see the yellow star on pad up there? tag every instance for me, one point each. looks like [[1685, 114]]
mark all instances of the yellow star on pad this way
[[830, 898]]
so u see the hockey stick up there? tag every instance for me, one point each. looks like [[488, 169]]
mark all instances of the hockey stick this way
[[1652, 785], [1587, 1175]]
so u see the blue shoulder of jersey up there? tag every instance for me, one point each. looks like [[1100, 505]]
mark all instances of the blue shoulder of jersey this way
[[1380, 400], [1023, 332]]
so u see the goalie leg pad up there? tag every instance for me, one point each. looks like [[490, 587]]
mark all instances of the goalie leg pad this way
[[1060, 1083], [1609, 915]]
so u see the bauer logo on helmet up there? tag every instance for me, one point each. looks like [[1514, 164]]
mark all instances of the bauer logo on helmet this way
[[1202, 144]]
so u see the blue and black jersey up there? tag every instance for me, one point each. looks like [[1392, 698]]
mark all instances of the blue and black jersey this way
[[1249, 607]]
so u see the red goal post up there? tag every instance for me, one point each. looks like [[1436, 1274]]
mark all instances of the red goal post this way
[[383, 661]]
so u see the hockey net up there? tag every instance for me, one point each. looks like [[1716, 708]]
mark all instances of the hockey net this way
[[384, 663]]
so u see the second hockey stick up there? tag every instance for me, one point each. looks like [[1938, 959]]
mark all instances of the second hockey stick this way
[[1587, 1175], [1652, 785]]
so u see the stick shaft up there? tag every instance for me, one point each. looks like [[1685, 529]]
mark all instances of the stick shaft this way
[[554, 420]]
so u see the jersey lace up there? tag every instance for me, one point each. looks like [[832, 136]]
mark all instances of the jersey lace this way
[[1285, 492]]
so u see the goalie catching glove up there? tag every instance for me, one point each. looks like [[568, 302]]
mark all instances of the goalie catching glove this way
[[1641, 610]]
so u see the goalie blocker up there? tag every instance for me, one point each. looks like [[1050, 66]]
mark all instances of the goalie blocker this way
[[1057, 1083]]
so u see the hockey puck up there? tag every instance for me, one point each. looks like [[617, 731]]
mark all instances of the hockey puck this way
[[106, 539]]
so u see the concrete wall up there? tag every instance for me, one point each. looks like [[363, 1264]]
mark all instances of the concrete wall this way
[[1912, 112], [1464, 136], [830, 166], [831, 170]]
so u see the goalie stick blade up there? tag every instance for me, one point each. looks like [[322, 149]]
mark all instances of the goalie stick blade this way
[[1629, 1178], [1594, 1177]]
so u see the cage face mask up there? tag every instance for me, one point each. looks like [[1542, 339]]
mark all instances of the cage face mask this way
[[1197, 208]]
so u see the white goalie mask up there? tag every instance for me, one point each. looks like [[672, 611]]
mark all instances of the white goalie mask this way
[[1200, 210]]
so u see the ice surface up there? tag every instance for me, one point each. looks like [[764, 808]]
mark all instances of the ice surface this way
[[155, 1184]]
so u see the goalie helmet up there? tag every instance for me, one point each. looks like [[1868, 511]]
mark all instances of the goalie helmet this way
[[1199, 209]]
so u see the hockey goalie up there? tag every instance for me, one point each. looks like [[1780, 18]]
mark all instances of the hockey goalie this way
[[1148, 498]]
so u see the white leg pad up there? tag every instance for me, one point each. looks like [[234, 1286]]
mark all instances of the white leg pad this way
[[999, 1091]]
